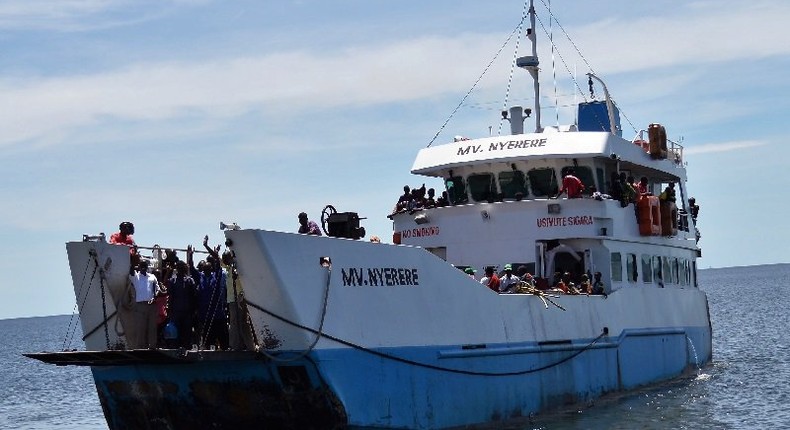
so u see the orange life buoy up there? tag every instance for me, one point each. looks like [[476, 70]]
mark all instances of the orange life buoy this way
[[649, 216]]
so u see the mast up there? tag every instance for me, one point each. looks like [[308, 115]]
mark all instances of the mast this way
[[530, 64]]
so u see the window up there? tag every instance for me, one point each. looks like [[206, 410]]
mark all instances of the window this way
[[683, 268], [511, 183], [631, 267], [675, 271], [601, 182], [543, 182], [584, 174], [481, 187], [456, 190], [617, 267], [657, 275], [440, 251], [694, 273], [647, 269], [667, 271]]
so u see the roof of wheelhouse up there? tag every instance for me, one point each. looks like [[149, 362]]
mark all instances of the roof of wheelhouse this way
[[437, 160]]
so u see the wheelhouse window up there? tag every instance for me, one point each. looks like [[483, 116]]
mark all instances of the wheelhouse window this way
[[675, 271], [617, 267], [511, 183], [631, 267], [456, 190], [543, 182], [683, 271], [482, 187], [647, 269], [584, 174], [668, 278], [659, 277]]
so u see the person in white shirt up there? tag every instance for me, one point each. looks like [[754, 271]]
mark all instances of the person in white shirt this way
[[142, 289], [508, 281]]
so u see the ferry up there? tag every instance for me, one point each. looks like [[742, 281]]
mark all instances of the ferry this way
[[348, 332]]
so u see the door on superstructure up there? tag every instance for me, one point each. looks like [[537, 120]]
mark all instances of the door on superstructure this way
[[563, 258], [589, 267]]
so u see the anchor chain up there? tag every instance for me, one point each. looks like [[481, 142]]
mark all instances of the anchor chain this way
[[102, 277]]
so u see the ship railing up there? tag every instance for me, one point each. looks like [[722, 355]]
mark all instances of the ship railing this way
[[101, 237], [155, 254], [674, 149]]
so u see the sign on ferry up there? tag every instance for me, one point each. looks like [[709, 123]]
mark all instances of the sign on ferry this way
[[379, 276], [420, 232], [564, 221], [502, 145]]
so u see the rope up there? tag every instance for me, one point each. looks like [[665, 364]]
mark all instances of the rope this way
[[476, 82], [93, 330], [554, 67], [578, 51], [251, 327], [119, 331], [242, 307], [319, 333], [212, 307], [524, 287], [513, 64], [567, 36], [103, 302], [74, 310], [418, 364], [564, 63], [73, 330]]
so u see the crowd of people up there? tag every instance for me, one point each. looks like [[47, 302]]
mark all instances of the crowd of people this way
[[419, 198], [622, 187], [628, 190], [173, 303], [522, 281]]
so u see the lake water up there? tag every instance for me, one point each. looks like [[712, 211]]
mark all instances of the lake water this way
[[746, 386]]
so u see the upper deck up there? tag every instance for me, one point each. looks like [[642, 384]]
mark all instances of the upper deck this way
[[437, 161], [500, 195]]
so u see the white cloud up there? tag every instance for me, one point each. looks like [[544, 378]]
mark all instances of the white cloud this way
[[81, 15], [723, 147], [279, 83], [48, 109], [695, 33]]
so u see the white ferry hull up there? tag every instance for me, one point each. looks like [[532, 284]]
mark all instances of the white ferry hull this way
[[431, 349], [408, 343]]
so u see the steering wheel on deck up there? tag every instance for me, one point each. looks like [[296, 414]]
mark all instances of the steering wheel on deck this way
[[328, 211]]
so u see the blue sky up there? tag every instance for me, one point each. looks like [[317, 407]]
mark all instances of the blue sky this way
[[176, 114]]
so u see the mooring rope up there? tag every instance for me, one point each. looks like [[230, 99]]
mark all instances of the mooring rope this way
[[412, 362], [71, 330], [319, 333], [463, 99]]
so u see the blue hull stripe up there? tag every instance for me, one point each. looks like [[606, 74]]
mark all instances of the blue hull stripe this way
[[362, 389]]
